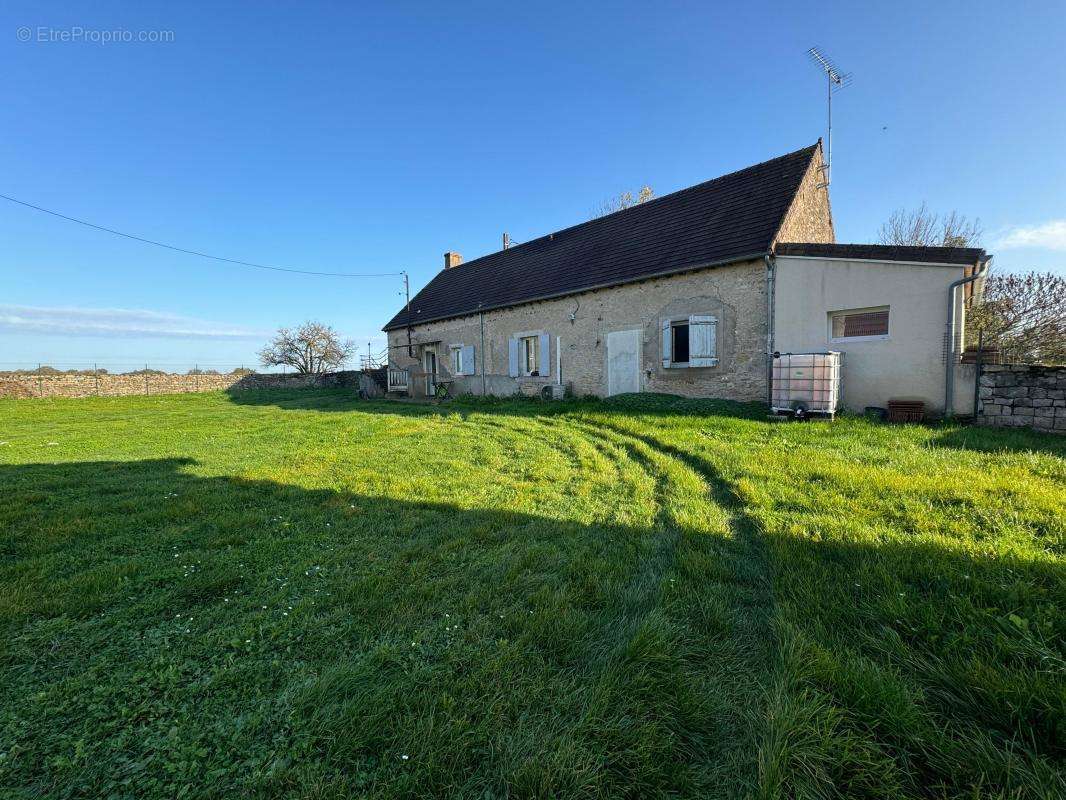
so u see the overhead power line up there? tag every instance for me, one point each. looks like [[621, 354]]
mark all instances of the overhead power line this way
[[197, 252]]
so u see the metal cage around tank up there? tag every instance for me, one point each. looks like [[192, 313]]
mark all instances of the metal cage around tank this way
[[802, 384]]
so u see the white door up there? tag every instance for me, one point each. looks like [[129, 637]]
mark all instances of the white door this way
[[623, 361]]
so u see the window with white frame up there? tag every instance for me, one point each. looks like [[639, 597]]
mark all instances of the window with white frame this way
[[690, 341], [530, 350], [528, 355], [461, 359], [858, 323]]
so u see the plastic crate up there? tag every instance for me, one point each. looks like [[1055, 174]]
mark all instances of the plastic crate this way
[[906, 410]]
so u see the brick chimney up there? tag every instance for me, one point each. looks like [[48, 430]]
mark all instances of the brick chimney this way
[[452, 259]]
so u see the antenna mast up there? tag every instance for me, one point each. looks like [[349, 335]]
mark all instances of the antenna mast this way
[[835, 80]]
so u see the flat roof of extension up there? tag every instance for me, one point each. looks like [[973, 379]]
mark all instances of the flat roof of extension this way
[[963, 256]]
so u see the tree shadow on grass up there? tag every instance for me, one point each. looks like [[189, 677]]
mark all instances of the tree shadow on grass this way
[[332, 399], [166, 629], [642, 404]]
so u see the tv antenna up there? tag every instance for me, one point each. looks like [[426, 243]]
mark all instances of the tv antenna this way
[[835, 80]]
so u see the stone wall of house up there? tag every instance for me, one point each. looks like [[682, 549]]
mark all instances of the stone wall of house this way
[[810, 218], [735, 294], [107, 385], [1016, 396]]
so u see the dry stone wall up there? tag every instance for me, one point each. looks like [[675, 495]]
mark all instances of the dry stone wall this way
[[106, 385], [1024, 396]]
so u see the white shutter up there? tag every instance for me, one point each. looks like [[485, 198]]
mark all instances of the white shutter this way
[[544, 364], [466, 360], [512, 357], [702, 341], [666, 343]]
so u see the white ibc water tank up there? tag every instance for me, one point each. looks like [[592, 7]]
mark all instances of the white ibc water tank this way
[[805, 383]]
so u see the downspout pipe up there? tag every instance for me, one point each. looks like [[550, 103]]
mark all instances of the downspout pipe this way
[[771, 274], [484, 362], [949, 376]]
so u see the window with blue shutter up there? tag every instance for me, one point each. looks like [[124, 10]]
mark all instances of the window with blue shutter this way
[[702, 341], [512, 357], [461, 359], [529, 355], [690, 341]]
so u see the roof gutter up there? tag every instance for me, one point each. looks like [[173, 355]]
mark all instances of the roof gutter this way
[[949, 377]]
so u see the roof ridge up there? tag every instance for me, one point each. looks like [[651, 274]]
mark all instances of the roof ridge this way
[[646, 204], [726, 218]]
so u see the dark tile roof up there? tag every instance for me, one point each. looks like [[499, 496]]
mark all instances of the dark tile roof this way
[[883, 252], [725, 219]]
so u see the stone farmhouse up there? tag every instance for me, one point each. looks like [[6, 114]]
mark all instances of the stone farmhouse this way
[[691, 294]]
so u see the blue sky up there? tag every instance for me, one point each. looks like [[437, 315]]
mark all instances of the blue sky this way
[[328, 137]]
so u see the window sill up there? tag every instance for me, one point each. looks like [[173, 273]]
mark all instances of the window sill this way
[[849, 339]]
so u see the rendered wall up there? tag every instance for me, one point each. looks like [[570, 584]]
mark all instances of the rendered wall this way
[[907, 365]]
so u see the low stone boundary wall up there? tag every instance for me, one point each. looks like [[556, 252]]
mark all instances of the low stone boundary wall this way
[[107, 385], [1017, 396]]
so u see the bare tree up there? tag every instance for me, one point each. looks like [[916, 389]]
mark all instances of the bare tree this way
[[1023, 315], [622, 201], [312, 347], [924, 228]]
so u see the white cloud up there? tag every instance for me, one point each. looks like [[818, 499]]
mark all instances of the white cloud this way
[[1050, 235], [116, 322]]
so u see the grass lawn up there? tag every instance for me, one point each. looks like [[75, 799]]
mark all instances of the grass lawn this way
[[304, 595]]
